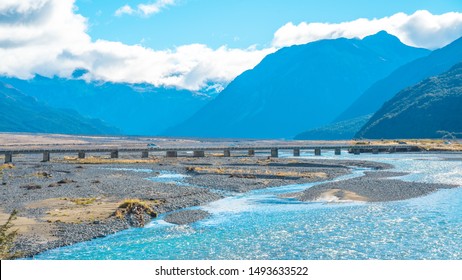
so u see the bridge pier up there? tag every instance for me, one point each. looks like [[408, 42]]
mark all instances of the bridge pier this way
[[392, 150], [274, 152], [375, 151], [198, 153], [46, 156], [171, 154], [227, 153], [251, 153], [296, 152], [81, 155], [145, 154], [356, 151], [317, 152], [115, 154], [338, 151], [8, 157]]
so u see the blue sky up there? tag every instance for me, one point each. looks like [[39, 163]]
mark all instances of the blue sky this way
[[235, 23], [197, 44]]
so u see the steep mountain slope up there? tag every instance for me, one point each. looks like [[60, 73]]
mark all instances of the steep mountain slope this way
[[421, 111], [437, 62], [298, 88], [342, 130], [22, 113], [139, 109]]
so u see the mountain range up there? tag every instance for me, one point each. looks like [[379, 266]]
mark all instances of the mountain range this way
[[376, 87], [427, 110], [298, 88], [383, 90], [135, 109], [22, 113]]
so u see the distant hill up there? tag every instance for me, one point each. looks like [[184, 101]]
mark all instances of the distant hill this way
[[22, 113], [137, 109], [343, 130], [437, 62], [420, 111], [298, 88]]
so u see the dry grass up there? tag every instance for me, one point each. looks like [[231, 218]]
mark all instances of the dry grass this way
[[8, 237], [5, 167], [76, 210], [104, 160], [134, 210], [82, 201], [236, 172], [424, 144]]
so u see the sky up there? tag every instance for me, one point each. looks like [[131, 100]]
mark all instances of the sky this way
[[197, 44]]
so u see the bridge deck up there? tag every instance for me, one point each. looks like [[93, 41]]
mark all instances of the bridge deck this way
[[192, 149]]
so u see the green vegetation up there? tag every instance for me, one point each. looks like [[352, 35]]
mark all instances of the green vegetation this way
[[8, 237]]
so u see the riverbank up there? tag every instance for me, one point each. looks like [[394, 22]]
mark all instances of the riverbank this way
[[68, 201]]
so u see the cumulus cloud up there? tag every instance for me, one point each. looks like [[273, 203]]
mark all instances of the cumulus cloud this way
[[47, 37], [421, 29], [145, 9], [126, 9]]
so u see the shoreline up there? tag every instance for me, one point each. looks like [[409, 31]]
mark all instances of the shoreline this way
[[82, 207]]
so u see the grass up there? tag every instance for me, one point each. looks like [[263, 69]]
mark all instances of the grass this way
[[241, 172], [8, 237], [5, 167], [103, 160], [423, 144], [134, 206], [82, 200]]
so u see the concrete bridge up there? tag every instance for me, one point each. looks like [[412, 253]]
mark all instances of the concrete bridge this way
[[200, 151]]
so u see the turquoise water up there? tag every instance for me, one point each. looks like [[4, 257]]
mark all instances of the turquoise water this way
[[260, 225]]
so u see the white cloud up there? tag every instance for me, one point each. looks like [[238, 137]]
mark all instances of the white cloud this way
[[145, 9], [126, 9], [50, 39], [421, 29], [47, 37]]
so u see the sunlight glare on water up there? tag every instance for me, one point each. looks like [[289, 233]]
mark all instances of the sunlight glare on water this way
[[260, 225]]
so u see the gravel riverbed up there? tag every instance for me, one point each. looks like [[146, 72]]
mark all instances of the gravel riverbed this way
[[64, 202]]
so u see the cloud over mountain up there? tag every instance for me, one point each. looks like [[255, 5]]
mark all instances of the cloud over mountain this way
[[421, 29], [49, 37]]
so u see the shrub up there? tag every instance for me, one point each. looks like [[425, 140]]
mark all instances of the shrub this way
[[8, 237]]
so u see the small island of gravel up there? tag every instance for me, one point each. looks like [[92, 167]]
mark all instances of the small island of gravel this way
[[372, 187]]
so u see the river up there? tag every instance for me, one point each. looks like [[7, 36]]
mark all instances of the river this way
[[261, 225]]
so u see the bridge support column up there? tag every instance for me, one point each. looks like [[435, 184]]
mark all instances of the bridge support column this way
[[317, 152], [115, 154], [356, 151], [171, 154], [375, 151], [251, 153], [338, 151], [392, 150], [274, 152], [46, 156], [145, 154], [227, 153], [81, 154], [8, 157], [198, 153], [296, 152]]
